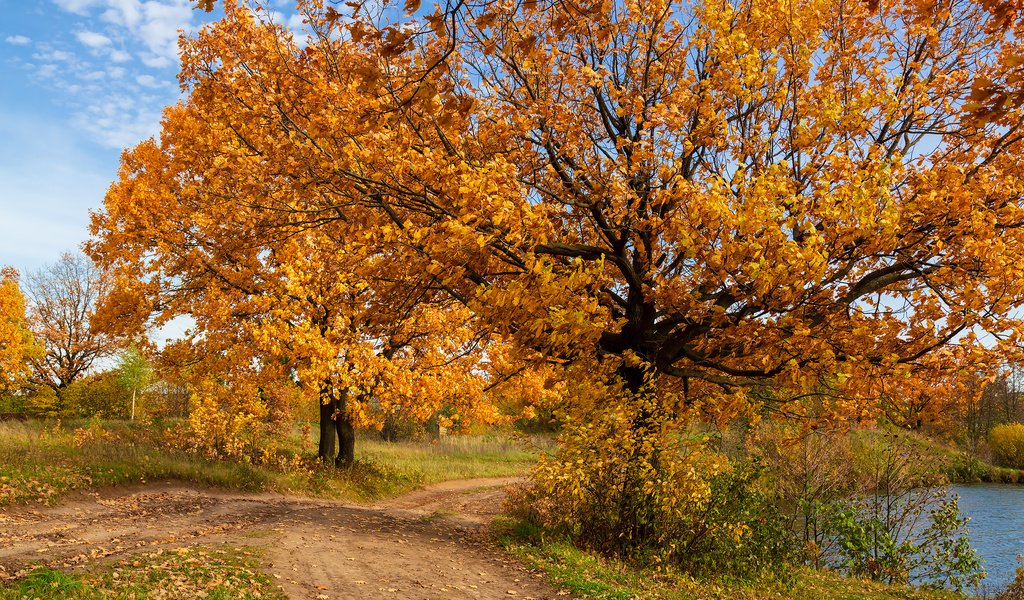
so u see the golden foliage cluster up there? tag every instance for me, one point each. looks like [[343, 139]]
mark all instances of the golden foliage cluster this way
[[626, 475], [17, 346], [1007, 444], [241, 424]]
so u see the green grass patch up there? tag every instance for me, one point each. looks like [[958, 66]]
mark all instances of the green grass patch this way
[[215, 573], [42, 460], [590, 576]]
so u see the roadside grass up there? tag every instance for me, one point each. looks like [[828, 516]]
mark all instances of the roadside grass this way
[[42, 460], [588, 576], [215, 573]]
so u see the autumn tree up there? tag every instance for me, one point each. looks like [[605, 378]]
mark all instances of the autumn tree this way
[[62, 300], [16, 344], [692, 208], [295, 306]]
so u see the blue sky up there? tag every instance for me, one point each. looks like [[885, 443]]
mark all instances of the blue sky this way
[[79, 81]]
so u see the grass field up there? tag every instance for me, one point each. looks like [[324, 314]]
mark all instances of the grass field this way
[[42, 460]]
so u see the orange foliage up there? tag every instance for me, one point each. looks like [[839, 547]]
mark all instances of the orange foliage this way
[[738, 202], [16, 344]]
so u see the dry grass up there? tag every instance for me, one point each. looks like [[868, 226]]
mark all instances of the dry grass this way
[[40, 461]]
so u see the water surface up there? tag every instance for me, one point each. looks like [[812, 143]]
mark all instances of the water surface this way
[[996, 527]]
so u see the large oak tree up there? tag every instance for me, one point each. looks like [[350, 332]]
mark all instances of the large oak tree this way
[[728, 203]]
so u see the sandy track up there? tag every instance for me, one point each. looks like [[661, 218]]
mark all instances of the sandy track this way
[[427, 544]]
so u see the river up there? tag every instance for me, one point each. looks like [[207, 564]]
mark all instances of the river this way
[[996, 527]]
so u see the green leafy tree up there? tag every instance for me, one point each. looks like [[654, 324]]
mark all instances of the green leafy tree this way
[[133, 373]]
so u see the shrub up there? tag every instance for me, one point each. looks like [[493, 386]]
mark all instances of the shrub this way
[[96, 396], [42, 402], [741, 530], [809, 471], [968, 469], [901, 529], [1015, 589], [650, 493], [226, 424], [873, 544], [1007, 444]]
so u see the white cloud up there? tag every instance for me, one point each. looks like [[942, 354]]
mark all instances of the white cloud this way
[[17, 40], [148, 81], [155, 61], [92, 39], [297, 23], [76, 6], [126, 13], [120, 56], [46, 71], [53, 56], [153, 23], [121, 120]]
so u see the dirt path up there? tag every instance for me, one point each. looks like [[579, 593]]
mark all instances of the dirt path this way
[[427, 544]]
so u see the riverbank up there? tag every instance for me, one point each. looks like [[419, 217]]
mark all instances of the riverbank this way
[[956, 466], [589, 576]]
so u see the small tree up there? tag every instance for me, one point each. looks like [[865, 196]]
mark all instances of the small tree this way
[[902, 528], [62, 300], [133, 373]]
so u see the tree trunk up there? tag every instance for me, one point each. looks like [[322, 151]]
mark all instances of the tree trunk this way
[[632, 378], [633, 502], [347, 447], [346, 435], [325, 450], [335, 426]]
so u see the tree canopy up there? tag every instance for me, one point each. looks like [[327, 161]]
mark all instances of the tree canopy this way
[[734, 202]]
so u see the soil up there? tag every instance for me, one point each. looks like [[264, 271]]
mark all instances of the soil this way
[[429, 544]]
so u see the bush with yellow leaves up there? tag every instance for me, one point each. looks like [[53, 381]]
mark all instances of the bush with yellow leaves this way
[[223, 422], [627, 480], [1007, 443]]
